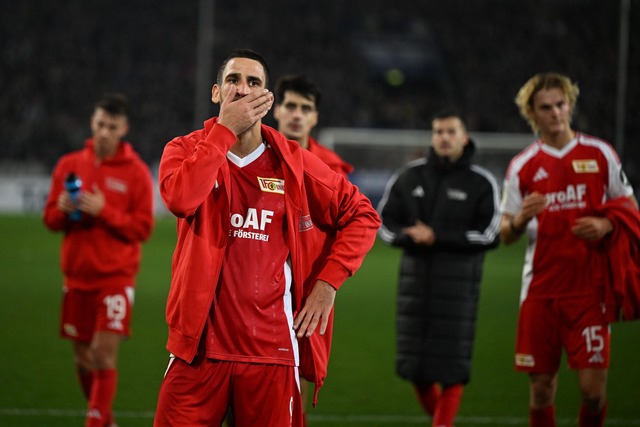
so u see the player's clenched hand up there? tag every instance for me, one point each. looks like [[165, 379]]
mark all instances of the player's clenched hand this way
[[420, 233], [240, 113], [532, 205], [316, 310], [592, 227], [64, 202], [91, 203]]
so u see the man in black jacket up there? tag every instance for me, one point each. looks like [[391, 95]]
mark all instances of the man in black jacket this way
[[443, 211]]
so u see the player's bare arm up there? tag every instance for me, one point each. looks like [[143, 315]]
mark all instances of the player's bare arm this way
[[240, 114], [316, 310], [513, 226]]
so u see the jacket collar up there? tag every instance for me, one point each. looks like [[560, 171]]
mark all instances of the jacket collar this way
[[291, 154], [444, 165]]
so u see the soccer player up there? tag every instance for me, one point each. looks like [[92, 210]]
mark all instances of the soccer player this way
[[296, 111], [551, 191], [255, 270], [103, 228], [443, 211]]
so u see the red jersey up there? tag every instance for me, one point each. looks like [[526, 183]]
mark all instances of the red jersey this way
[[105, 250], [252, 320], [319, 204], [575, 180]]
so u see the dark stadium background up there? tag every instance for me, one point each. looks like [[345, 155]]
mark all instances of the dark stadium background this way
[[58, 57]]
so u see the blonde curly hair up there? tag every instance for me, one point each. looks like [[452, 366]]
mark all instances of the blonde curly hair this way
[[544, 81]]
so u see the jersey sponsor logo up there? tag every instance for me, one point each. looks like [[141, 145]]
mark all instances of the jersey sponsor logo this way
[[455, 194], [526, 360], [596, 358], [585, 166], [271, 185], [115, 184], [571, 198], [418, 191], [540, 175], [305, 223], [253, 220], [70, 330]]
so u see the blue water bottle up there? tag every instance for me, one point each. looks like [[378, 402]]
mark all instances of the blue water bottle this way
[[73, 184]]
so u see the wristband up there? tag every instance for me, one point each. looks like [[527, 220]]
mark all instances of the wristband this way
[[514, 230]]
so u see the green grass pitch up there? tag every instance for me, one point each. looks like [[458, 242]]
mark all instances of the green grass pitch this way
[[39, 387]]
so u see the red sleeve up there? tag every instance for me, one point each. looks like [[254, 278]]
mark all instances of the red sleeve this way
[[134, 225], [189, 167], [339, 205], [53, 218]]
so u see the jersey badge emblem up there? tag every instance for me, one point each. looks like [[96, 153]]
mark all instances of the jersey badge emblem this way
[[271, 185], [585, 166]]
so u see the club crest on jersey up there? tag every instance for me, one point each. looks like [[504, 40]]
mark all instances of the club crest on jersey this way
[[271, 185], [585, 166]]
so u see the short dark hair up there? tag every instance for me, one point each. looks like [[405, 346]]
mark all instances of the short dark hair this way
[[450, 113], [115, 104], [299, 84], [244, 53]]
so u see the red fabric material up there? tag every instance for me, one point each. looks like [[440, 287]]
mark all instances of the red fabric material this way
[[202, 394], [105, 250], [86, 312], [103, 392], [622, 248], [193, 179], [428, 397], [330, 157], [448, 405], [587, 418], [542, 417], [86, 381]]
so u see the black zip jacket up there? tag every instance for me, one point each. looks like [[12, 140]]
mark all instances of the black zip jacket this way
[[439, 285]]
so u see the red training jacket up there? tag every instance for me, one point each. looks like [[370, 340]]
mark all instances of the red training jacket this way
[[622, 248], [106, 250], [330, 157], [320, 205]]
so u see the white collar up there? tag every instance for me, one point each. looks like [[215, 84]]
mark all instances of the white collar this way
[[248, 159]]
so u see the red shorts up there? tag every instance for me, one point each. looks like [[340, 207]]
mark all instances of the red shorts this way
[[87, 312], [547, 326], [201, 393]]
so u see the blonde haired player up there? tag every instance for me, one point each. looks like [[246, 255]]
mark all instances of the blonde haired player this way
[[551, 191]]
